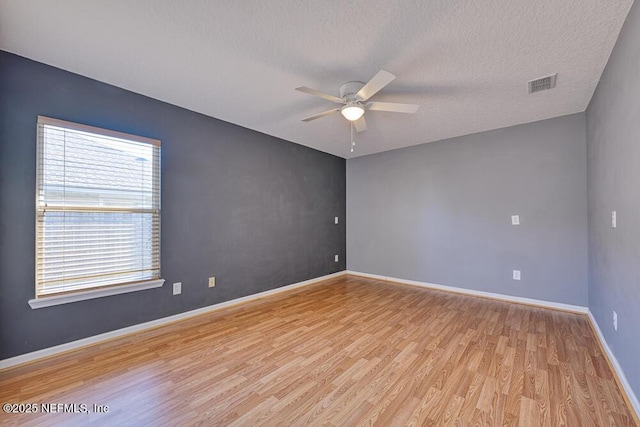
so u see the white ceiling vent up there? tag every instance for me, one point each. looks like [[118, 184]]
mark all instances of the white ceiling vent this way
[[543, 83]]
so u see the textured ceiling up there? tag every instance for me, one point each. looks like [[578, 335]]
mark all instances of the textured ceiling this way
[[466, 63]]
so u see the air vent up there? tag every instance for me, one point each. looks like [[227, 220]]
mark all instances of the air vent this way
[[542, 83]]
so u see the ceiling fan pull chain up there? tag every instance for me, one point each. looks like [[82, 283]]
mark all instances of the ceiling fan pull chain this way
[[353, 141]]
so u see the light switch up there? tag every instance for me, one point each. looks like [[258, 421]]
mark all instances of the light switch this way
[[614, 219], [336, 220], [515, 219], [516, 274]]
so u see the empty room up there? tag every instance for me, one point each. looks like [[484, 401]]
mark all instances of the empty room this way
[[342, 213]]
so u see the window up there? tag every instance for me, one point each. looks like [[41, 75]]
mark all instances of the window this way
[[97, 209]]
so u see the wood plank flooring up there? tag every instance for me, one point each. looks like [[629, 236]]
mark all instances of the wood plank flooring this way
[[347, 352]]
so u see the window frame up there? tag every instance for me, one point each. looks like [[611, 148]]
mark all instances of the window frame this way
[[90, 292]]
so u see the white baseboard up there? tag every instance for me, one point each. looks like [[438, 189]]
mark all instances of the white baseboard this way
[[51, 351], [633, 399], [471, 292]]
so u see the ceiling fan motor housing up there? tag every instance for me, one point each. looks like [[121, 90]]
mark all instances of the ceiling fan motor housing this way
[[348, 90]]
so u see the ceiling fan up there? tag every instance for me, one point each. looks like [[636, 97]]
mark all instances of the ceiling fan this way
[[354, 97]]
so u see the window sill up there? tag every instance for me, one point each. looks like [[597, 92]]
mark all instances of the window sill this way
[[91, 294]]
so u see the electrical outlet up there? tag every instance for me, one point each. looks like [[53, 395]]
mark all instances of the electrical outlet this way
[[615, 320], [177, 288], [516, 274], [336, 258], [614, 219], [515, 219], [336, 220], [212, 282]]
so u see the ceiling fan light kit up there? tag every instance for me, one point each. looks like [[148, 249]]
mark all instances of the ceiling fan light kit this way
[[352, 112]]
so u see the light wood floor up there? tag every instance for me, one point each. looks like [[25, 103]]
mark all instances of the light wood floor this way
[[348, 352]]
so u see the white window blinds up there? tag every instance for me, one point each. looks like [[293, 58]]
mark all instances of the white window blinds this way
[[98, 208]]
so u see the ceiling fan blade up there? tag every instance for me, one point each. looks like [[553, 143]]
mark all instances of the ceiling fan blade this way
[[372, 87], [319, 115], [360, 124], [393, 107], [320, 94]]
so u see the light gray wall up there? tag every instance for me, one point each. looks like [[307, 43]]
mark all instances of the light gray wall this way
[[613, 141], [441, 212]]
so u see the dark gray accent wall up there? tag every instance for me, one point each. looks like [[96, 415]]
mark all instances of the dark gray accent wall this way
[[255, 211], [441, 212], [613, 143]]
